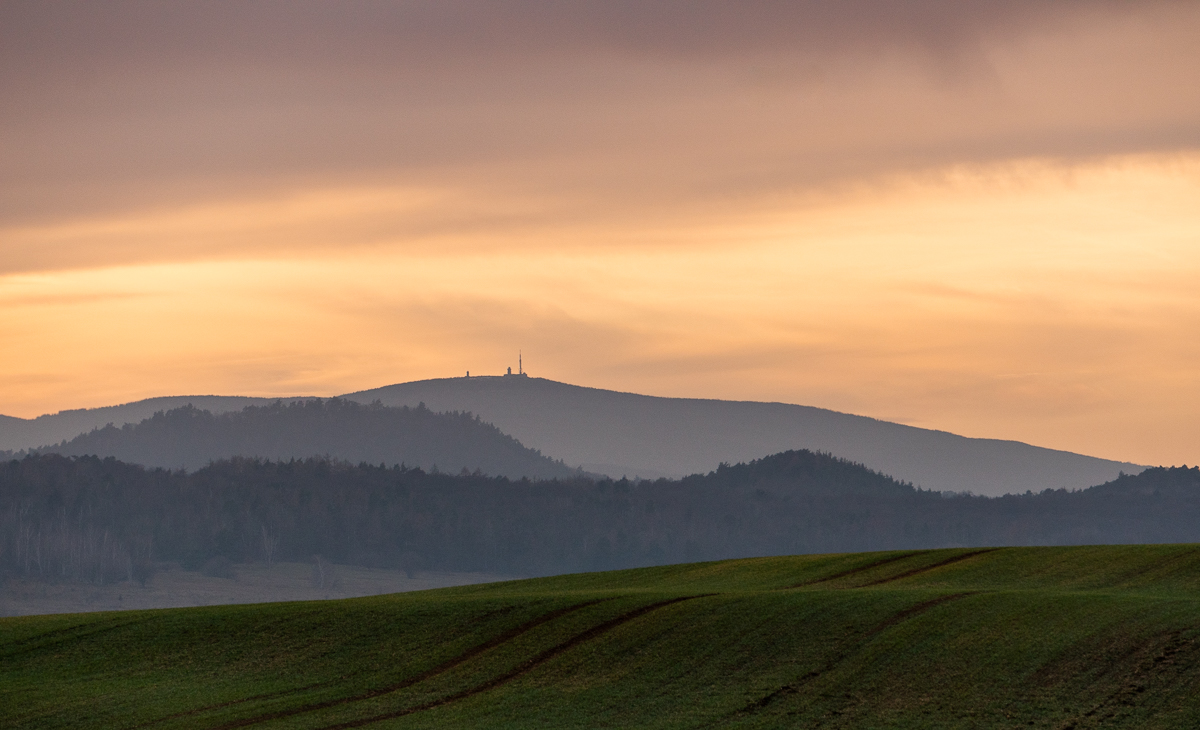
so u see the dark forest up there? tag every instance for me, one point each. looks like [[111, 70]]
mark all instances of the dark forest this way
[[99, 520]]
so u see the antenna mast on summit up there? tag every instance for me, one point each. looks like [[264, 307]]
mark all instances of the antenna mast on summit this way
[[520, 367]]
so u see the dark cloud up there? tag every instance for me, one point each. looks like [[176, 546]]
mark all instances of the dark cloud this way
[[39, 36], [116, 105]]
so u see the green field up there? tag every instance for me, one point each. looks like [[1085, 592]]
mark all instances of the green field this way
[[1072, 637]]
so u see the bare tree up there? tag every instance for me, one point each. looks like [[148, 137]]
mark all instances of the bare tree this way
[[269, 542], [324, 574]]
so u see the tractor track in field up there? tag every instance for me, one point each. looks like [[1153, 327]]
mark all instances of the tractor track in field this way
[[853, 571], [1157, 565], [794, 687], [427, 674], [65, 635], [231, 703], [928, 568], [524, 668]]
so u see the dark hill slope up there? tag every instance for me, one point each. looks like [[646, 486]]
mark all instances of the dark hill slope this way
[[624, 434], [188, 437], [801, 474], [1083, 637], [1154, 483]]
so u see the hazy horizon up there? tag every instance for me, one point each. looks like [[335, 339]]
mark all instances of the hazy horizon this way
[[978, 217]]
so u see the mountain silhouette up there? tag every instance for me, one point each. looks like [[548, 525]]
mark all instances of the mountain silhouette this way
[[626, 434], [190, 438]]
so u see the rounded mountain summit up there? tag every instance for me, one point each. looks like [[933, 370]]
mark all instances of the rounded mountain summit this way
[[640, 436], [626, 434]]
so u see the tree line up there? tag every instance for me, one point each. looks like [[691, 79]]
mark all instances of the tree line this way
[[95, 519]]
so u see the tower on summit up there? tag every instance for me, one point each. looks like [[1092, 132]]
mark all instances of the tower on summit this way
[[520, 367]]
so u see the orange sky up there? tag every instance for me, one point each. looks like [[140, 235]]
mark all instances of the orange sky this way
[[983, 219]]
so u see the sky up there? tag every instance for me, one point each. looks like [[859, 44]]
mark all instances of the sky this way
[[981, 217]]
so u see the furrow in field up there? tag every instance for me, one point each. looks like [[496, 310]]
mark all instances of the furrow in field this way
[[65, 635], [524, 668], [233, 703], [1141, 571], [854, 571], [928, 568]]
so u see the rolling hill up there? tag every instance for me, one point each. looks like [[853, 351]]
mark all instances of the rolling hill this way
[[625, 434], [190, 438], [1077, 637]]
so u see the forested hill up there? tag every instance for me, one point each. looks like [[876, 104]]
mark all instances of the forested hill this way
[[1157, 483], [190, 438], [86, 518], [799, 474]]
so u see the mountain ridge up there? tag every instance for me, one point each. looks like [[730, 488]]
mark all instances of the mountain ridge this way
[[629, 434], [642, 436]]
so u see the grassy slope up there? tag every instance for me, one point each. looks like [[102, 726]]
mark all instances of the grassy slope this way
[[1018, 637]]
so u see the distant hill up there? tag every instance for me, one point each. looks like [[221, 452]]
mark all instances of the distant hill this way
[[802, 474], [624, 434], [56, 511], [28, 433], [1154, 483], [190, 438]]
